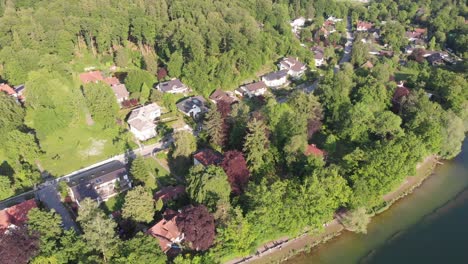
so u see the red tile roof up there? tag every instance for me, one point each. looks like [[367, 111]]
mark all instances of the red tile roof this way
[[17, 214], [7, 89], [365, 25], [220, 95], [112, 81], [313, 150], [166, 230], [169, 193], [208, 157], [92, 76]]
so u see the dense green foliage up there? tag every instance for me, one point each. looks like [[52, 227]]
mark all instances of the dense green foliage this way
[[139, 205]]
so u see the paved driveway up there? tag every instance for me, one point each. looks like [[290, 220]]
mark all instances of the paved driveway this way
[[49, 196]]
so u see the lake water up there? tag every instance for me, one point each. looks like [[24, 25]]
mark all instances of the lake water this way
[[428, 226]]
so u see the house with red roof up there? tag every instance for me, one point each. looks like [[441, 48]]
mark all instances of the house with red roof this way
[[364, 26], [169, 193], [223, 96], [167, 231], [16, 215], [207, 157], [119, 89], [91, 77], [312, 149]]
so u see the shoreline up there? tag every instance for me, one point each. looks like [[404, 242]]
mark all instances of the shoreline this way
[[287, 249]]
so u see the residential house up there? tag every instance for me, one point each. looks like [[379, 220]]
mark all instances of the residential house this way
[[437, 58], [334, 19], [297, 24], [100, 183], [119, 89], [294, 67], [141, 121], [313, 150], [364, 26], [16, 215], [367, 65], [276, 79], [173, 86], [120, 92], [167, 231], [7, 89], [91, 77], [319, 54], [20, 91], [416, 34], [219, 95], [169, 193], [192, 106], [252, 89], [207, 157]]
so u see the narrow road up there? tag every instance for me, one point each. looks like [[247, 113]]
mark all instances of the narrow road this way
[[348, 46], [49, 196]]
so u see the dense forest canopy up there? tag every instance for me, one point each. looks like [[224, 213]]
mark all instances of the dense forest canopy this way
[[288, 166]]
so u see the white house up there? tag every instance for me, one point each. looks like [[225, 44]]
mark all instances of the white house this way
[[141, 121], [276, 79], [297, 24], [252, 89], [173, 86], [294, 67], [318, 55]]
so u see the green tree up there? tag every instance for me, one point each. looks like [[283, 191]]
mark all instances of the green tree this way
[[47, 225], [174, 66], [356, 220], [151, 62], [139, 205], [184, 144], [102, 103], [136, 78], [141, 249], [6, 189], [360, 53], [256, 145], [209, 186], [122, 57], [99, 230], [214, 126], [453, 134], [144, 94], [13, 114], [140, 171]]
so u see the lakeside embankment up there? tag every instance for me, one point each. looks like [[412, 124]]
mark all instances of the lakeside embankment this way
[[279, 251]]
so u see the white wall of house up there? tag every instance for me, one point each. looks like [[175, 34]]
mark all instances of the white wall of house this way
[[144, 134], [276, 83], [318, 62]]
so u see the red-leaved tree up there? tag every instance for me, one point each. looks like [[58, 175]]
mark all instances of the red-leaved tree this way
[[17, 246], [235, 166], [198, 226]]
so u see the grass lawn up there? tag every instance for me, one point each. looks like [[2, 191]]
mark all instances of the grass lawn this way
[[114, 203], [77, 147], [163, 175], [404, 74]]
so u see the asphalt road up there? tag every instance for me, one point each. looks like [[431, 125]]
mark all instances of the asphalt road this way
[[49, 196]]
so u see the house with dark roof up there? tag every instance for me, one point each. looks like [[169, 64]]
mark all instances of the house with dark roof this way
[[294, 67], [173, 86], [16, 215], [400, 92], [252, 89], [100, 183], [141, 121], [207, 157], [276, 79], [192, 106], [319, 54], [437, 58], [167, 231], [225, 96]]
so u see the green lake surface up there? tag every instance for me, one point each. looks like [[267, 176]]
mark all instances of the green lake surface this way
[[428, 226]]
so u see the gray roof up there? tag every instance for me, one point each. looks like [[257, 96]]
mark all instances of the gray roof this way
[[140, 117], [187, 104], [120, 91], [276, 75], [82, 185], [171, 85]]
